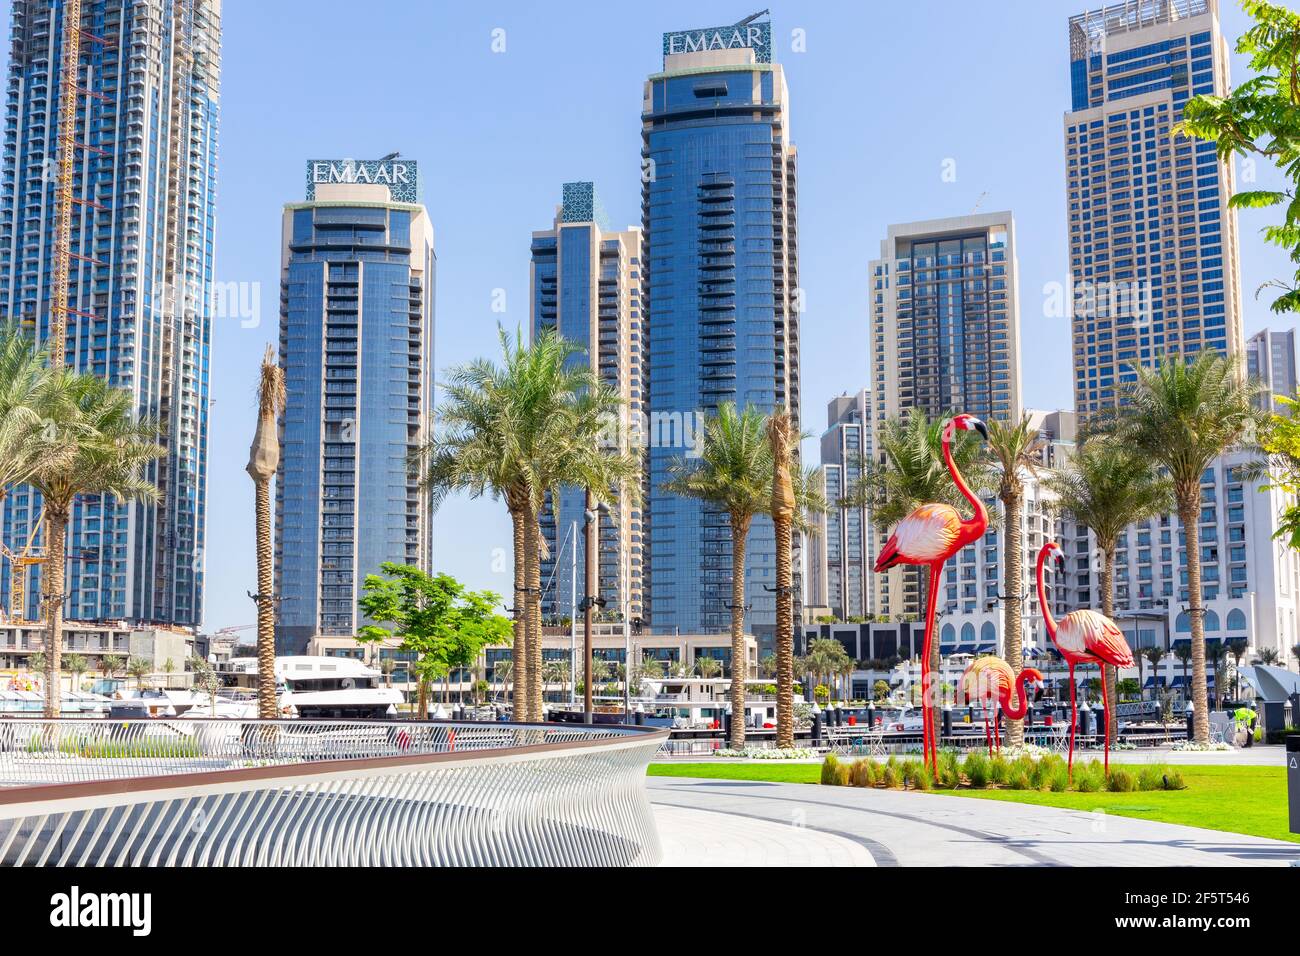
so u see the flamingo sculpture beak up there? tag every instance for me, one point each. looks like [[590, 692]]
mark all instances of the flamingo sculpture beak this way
[[980, 427], [1060, 563]]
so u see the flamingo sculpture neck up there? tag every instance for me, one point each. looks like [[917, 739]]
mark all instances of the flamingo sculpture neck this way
[[1048, 621], [1024, 677], [975, 527]]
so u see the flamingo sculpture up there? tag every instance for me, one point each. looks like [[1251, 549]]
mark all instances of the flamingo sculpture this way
[[1083, 637], [989, 679], [929, 536]]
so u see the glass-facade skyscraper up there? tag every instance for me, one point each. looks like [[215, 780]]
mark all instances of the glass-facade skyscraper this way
[[586, 284], [1271, 360], [356, 344], [719, 218], [1153, 245], [840, 552], [140, 282]]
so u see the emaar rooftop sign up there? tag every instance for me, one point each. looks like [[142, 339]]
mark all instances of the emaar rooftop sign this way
[[743, 35], [399, 175]]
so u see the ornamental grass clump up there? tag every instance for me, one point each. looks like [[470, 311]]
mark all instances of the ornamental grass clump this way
[[999, 770], [1019, 779], [834, 773], [978, 770], [1058, 780], [947, 773], [890, 777], [864, 773], [1121, 780]]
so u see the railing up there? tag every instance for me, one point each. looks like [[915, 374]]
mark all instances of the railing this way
[[302, 793]]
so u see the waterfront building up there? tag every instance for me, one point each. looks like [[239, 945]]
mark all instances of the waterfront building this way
[[586, 283], [1153, 245], [141, 294], [1271, 360], [356, 344], [839, 550], [721, 295]]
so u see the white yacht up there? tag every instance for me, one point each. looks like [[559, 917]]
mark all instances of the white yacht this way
[[309, 687]]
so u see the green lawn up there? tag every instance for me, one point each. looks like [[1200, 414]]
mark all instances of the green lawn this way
[[1249, 800]]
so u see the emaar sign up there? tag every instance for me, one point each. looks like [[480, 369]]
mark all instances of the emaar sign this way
[[399, 175], [754, 36]]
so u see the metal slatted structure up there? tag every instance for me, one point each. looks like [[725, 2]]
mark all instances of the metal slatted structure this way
[[300, 793]]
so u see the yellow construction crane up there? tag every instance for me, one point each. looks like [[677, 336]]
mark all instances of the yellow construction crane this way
[[30, 556]]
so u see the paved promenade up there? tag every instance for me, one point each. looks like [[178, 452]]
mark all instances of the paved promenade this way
[[784, 824]]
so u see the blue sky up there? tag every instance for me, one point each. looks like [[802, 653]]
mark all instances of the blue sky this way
[[883, 95]]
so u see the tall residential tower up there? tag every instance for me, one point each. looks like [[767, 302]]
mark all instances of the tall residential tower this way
[[356, 343], [1153, 245], [719, 218], [586, 283], [839, 552], [140, 280]]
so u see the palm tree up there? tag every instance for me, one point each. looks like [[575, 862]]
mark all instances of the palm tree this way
[[139, 668], [1183, 415], [767, 666], [1154, 655], [503, 671], [1216, 653], [522, 431], [709, 667], [1237, 648], [1183, 651], [1267, 656], [96, 446], [25, 389], [36, 662], [75, 664], [386, 667], [911, 471], [1016, 450], [1106, 488], [734, 474], [263, 460], [110, 664]]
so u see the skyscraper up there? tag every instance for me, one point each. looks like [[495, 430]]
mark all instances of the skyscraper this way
[[1153, 245], [586, 283], [356, 343], [946, 318], [839, 553], [1270, 359], [945, 336], [140, 281], [718, 210]]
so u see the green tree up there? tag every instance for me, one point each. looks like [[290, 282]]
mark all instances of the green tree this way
[[110, 664], [1216, 653], [139, 668], [1015, 449], [443, 625], [37, 662], [732, 473], [708, 667], [75, 664], [1183, 415], [1279, 440], [523, 430], [1183, 651], [91, 443], [880, 690], [1268, 656], [205, 681], [1262, 117], [1106, 488], [1153, 656]]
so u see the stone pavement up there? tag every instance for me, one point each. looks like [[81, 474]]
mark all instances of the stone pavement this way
[[781, 822]]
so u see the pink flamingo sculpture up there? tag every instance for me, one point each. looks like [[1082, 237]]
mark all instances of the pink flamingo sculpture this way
[[929, 536], [1083, 637], [990, 679]]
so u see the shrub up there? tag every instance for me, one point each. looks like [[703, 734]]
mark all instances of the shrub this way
[[863, 773], [1151, 777], [978, 770], [999, 769], [1058, 778], [1121, 780], [890, 777], [1019, 779], [834, 773]]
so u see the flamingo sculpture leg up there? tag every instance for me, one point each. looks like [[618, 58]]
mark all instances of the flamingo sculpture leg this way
[[1083, 637], [929, 536]]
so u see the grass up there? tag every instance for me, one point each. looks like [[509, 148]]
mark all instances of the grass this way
[[123, 749], [1233, 799]]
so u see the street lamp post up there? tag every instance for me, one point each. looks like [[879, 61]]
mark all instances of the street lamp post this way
[[591, 594]]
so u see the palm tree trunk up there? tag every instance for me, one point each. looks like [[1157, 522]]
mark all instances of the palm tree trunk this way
[[533, 617], [1189, 505], [784, 635], [56, 531], [519, 653], [1109, 674], [1013, 584], [739, 661], [267, 706]]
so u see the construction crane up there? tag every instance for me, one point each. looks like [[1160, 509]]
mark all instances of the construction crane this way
[[30, 556], [67, 145]]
